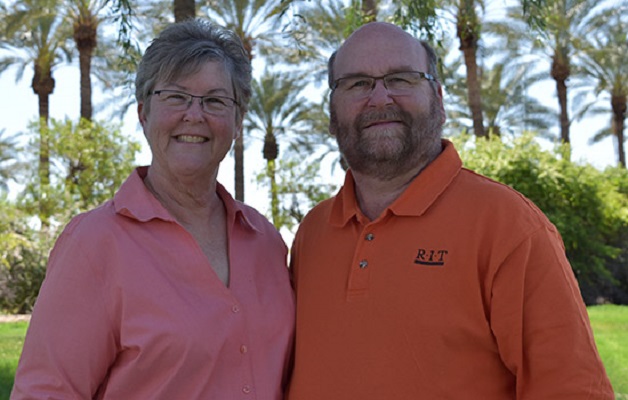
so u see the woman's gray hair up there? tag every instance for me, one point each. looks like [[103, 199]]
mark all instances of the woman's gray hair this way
[[182, 48]]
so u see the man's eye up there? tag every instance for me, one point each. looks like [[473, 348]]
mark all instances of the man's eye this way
[[396, 79], [402, 81], [359, 83]]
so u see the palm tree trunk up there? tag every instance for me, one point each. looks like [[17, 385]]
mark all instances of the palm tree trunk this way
[[560, 73], [618, 104], [238, 158], [85, 66], [369, 9], [238, 149], [467, 31], [85, 39], [43, 85], [44, 171], [184, 9], [274, 196]]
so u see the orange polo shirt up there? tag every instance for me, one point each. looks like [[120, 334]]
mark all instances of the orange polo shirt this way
[[459, 290]]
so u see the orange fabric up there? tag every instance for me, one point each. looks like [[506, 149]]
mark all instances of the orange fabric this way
[[459, 290]]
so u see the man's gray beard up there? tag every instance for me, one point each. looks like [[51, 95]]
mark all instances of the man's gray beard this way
[[417, 141]]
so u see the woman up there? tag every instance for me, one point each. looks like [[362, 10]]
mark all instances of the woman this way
[[171, 290]]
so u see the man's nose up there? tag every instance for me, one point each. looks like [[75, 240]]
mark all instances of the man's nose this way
[[379, 94]]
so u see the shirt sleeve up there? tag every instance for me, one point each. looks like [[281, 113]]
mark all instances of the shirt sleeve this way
[[541, 324], [70, 343]]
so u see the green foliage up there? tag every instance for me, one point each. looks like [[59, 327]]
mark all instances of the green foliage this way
[[584, 203], [89, 162], [299, 189], [22, 262]]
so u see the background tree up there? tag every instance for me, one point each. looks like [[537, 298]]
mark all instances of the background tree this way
[[254, 22], [85, 20], [554, 25], [184, 9], [36, 36], [277, 108], [604, 58], [9, 163], [468, 28], [509, 107]]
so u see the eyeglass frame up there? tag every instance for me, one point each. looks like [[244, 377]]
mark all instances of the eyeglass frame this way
[[192, 97], [423, 75]]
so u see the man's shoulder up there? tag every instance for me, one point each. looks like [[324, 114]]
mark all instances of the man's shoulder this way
[[498, 199], [319, 211]]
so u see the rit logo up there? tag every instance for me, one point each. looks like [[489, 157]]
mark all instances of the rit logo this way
[[431, 257]]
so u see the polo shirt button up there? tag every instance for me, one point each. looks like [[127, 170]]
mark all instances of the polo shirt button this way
[[235, 308], [369, 237], [243, 349], [246, 389], [364, 264]]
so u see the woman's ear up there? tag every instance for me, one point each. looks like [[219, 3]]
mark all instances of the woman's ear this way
[[141, 116]]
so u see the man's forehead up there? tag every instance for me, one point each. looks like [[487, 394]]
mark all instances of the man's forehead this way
[[380, 50]]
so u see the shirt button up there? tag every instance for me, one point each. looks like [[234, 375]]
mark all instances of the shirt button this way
[[235, 308], [369, 237], [243, 349], [364, 264], [246, 389]]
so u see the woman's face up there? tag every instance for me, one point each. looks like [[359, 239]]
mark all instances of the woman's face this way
[[190, 141]]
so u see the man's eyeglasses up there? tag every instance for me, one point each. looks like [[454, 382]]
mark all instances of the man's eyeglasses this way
[[179, 101], [397, 83]]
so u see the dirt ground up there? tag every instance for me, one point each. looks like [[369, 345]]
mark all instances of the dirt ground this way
[[14, 318]]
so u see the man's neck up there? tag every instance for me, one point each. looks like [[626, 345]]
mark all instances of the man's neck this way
[[375, 195]]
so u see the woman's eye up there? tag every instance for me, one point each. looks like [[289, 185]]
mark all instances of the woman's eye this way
[[213, 101], [176, 97]]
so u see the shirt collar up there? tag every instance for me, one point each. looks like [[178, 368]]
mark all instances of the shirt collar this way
[[415, 200], [134, 200]]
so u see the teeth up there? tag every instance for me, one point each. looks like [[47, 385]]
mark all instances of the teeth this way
[[190, 139]]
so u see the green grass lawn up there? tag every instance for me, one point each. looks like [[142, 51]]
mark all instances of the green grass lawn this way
[[11, 341], [610, 325]]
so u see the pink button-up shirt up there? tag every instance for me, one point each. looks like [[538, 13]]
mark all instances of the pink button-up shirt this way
[[131, 309]]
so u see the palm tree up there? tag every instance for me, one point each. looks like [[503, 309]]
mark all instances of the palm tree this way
[[555, 25], [85, 20], [508, 106], [34, 33], [604, 58], [277, 108], [325, 27], [468, 27], [254, 22], [184, 9]]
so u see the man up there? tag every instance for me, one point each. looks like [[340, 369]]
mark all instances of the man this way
[[421, 279]]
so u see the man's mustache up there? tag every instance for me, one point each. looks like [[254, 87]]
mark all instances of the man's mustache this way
[[368, 118]]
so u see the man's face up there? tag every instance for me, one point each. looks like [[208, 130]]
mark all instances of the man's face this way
[[385, 133]]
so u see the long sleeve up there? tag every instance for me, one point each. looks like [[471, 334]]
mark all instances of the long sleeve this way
[[70, 342]]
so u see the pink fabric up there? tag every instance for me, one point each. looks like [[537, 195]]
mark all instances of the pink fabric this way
[[131, 309]]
